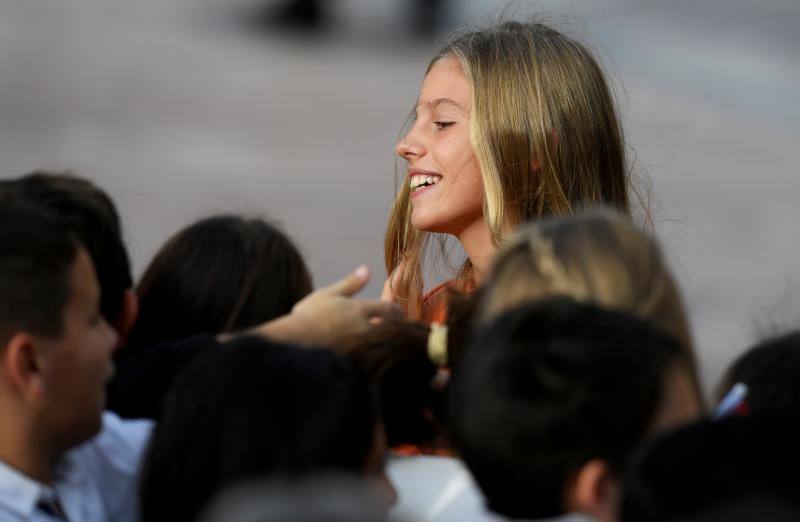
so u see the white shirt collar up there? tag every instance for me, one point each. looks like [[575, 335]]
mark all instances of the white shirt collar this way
[[20, 493]]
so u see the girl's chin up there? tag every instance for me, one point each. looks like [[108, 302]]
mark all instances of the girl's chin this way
[[425, 224], [422, 220]]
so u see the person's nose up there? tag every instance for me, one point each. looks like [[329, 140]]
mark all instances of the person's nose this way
[[411, 146]]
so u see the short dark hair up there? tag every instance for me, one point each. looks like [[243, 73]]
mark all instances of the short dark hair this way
[[255, 409], [220, 274], [703, 466], [91, 215], [36, 256], [770, 370], [547, 387]]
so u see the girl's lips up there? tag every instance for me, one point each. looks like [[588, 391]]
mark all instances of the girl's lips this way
[[419, 191]]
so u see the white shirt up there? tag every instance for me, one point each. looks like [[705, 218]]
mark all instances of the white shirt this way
[[442, 489], [94, 482], [435, 488]]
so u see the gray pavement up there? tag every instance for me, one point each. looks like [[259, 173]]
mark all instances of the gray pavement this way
[[180, 112]]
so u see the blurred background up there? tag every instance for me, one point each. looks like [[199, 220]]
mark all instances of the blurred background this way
[[291, 109]]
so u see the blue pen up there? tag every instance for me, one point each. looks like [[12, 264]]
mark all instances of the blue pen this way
[[732, 400]]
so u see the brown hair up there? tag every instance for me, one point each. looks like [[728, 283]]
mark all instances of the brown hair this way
[[220, 274], [544, 130], [598, 257]]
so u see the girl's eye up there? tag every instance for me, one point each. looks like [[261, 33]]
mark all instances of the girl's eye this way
[[443, 124]]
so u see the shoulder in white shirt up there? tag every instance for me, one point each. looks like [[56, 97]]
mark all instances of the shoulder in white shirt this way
[[442, 489], [95, 481], [435, 488]]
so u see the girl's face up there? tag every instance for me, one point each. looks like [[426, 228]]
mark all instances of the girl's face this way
[[443, 172]]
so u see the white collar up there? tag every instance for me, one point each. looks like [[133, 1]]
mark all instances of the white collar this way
[[20, 493]]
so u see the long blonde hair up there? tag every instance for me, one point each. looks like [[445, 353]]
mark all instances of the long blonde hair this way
[[545, 132], [599, 257]]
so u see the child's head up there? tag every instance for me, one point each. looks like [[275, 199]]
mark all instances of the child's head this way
[[410, 379], [54, 343], [220, 274], [514, 122], [91, 215], [702, 470], [257, 409], [552, 396], [598, 257], [770, 370]]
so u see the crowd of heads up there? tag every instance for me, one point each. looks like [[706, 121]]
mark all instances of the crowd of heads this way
[[562, 372], [563, 376]]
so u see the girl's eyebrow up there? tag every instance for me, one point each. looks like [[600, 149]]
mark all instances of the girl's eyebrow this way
[[442, 101]]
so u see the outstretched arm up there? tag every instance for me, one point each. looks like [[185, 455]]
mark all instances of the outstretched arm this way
[[330, 316]]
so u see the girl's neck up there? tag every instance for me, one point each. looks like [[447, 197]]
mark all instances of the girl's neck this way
[[477, 242]]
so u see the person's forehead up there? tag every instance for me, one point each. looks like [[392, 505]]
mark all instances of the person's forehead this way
[[445, 84]]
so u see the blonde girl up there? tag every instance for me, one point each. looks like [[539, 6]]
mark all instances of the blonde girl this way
[[513, 123]]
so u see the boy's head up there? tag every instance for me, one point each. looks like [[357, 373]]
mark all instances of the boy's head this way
[[55, 346], [550, 399], [92, 217], [770, 370], [716, 470]]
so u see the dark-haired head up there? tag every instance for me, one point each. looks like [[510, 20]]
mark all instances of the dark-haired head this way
[[220, 274], [551, 397], [55, 345], [91, 215], [770, 370], [36, 255], [257, 409], [411, 385], [706, 469]]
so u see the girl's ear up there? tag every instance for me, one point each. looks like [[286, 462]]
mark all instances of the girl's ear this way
[[594, 490]]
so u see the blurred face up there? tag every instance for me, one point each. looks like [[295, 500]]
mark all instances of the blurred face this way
[[443, 172], [76, 366]]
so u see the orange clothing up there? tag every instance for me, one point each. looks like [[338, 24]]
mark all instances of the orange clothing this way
[[434, 304]]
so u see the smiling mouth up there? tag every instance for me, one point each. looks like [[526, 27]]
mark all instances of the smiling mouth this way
[[419, 181]]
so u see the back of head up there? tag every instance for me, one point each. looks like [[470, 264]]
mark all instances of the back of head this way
[[770, 370], [411, 383], [221, 274], [255, 409], [710, 465], [597, 257], [546, 388], [36, 256], [91, 215]]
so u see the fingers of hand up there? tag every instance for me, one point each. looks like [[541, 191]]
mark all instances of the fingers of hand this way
[[350, 284]]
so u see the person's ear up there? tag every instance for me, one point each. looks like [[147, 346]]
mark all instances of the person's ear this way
[[127, 315], [594, 490], [22, 366]]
